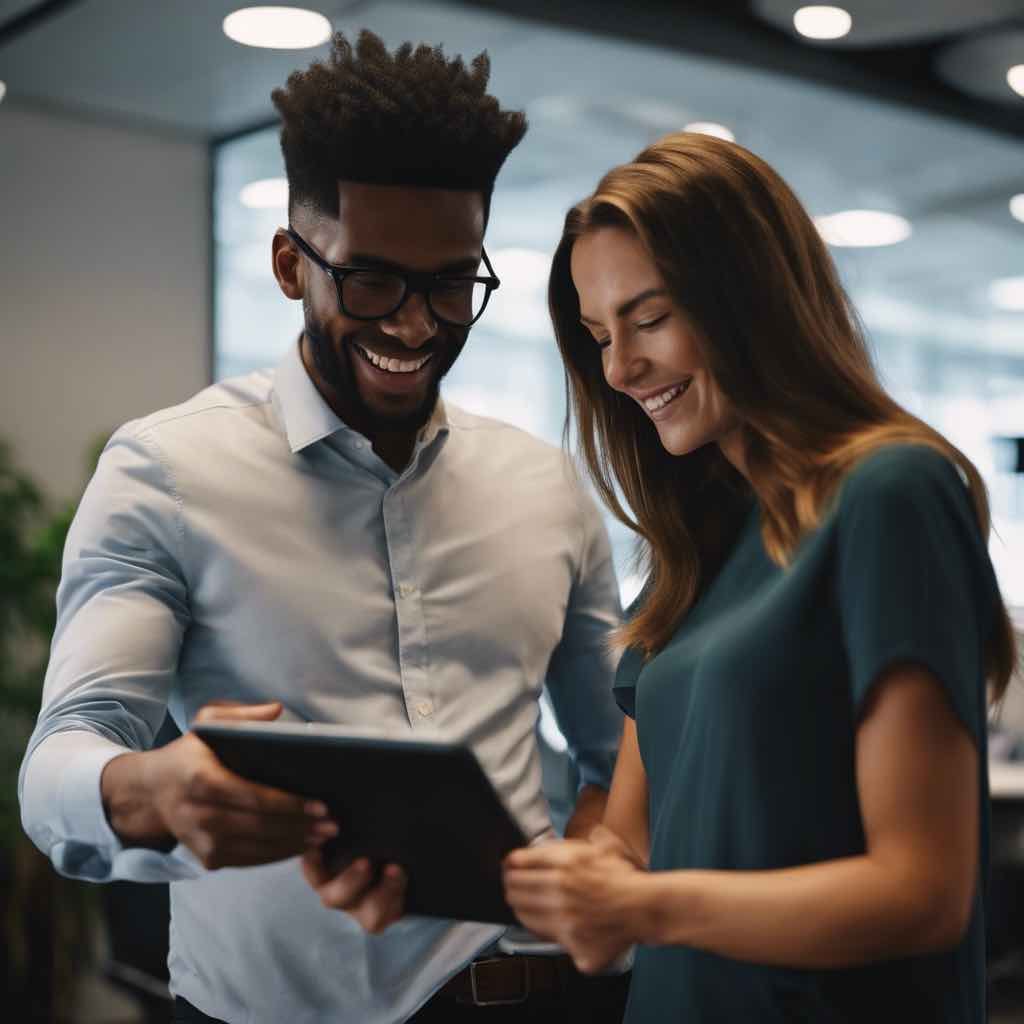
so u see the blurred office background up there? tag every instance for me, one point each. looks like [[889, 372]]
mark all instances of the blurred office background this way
[[141, 181]]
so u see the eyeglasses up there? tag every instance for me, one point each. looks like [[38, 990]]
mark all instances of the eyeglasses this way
[[366, 293]]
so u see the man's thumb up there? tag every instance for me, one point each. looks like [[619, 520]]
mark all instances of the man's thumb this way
[[234, 711]]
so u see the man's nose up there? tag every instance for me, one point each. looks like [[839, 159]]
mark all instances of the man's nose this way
[[412, 323]]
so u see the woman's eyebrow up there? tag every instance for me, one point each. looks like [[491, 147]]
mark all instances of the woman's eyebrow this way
[[629, 305]]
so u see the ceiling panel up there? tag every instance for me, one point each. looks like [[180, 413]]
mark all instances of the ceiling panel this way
[[592, 101], [169, 65], [885, 22]]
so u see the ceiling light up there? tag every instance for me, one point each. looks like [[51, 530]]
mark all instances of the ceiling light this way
[[1017, 206], [819, 22], [863, 228], [719, 131], [277, 28], [267, 194], [1008, 293], [1015, 78], [3, 91]]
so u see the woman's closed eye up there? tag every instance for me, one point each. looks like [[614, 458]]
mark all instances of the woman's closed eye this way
[[643, 325], [646, 325]]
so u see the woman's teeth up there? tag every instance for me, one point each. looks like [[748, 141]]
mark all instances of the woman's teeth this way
[[394, 365], [655, 402]]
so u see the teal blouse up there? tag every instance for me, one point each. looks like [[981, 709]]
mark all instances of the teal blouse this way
[[746, 723]]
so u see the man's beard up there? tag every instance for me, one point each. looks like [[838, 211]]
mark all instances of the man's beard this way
[[335, 369]]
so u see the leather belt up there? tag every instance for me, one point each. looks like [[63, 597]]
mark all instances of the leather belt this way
[[507, 980]]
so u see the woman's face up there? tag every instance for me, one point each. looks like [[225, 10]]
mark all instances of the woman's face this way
[[648, 348]]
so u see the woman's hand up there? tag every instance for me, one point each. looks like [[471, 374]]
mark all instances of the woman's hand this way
[[583, 894]]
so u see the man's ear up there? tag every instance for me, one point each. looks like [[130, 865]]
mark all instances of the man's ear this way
[[287, 266]]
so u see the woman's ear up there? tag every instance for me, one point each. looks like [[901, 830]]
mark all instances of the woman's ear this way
[[287, 266]]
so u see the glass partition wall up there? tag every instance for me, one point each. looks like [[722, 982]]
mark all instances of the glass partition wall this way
[[942, 307]]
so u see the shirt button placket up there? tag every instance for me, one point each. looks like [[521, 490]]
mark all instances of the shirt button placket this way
[[408, 611]]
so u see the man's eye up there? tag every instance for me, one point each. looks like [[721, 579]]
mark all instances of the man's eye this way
[[452, 285], [372, 281]]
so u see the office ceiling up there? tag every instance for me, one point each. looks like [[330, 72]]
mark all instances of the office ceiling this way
[[166, 64], [876, 122]]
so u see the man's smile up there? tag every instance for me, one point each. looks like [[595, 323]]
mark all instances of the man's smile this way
[[389, 364], [389, 377]]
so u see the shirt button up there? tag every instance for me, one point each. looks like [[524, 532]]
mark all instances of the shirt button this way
[[406, 589], [358, 444], [424, 708]]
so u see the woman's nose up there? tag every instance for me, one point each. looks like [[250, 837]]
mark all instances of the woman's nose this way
[[620, 364]]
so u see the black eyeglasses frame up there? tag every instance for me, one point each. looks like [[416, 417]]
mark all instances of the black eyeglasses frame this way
[[416, 281]]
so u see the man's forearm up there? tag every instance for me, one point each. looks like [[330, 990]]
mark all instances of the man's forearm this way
[[128, 804], [588, 812]]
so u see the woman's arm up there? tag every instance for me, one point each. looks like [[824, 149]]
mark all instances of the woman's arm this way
[[626, 811], [910, 893]]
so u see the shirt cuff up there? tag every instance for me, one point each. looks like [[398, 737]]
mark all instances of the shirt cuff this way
[[78, 838], [81, 813]]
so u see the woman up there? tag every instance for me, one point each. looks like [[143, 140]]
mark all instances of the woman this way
[[797, 828]]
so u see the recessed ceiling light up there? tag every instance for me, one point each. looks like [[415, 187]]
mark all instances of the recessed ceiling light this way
[[267, 194], [1017, 206], [821, 22], [719, 131], [1007, 293], [863, 228], [1015, 79], [277, 28]]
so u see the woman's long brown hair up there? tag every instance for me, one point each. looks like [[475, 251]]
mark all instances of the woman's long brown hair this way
[[745, 264]]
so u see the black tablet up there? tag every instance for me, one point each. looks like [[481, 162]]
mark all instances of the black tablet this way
[[424, 804]]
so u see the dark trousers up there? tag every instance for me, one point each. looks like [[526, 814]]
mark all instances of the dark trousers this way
[[598, 999], [185, 1013], [586, 1000]]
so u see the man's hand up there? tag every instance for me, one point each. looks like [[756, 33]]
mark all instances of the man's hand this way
[[182, 793], [375, 902], [580, 893]]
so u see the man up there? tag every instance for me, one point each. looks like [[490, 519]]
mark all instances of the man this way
[[330, 542]]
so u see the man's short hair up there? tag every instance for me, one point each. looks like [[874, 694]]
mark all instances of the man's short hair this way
[[412, 118]]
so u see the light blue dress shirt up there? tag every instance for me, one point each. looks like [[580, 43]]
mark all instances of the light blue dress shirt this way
[[247, 545]]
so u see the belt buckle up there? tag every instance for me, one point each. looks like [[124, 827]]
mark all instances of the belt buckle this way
[[516, 1000]]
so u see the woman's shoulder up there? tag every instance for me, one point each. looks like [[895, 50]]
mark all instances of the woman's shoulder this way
[[903, 472]]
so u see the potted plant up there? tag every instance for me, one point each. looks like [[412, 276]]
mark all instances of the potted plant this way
[[45, 920]]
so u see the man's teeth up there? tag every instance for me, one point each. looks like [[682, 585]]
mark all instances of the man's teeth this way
[[655, 402], [394, 365]]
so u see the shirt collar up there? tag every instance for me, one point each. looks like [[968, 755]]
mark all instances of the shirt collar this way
[[308, 418]]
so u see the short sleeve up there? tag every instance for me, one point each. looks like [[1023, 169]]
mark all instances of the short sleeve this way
[[915, 583], [630, 665]]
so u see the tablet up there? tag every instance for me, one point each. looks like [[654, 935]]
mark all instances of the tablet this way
[[422, 803]]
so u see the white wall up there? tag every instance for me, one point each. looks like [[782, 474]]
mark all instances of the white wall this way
[[104, 284]]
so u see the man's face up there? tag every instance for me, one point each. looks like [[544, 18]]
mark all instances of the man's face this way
[[425, 229]]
